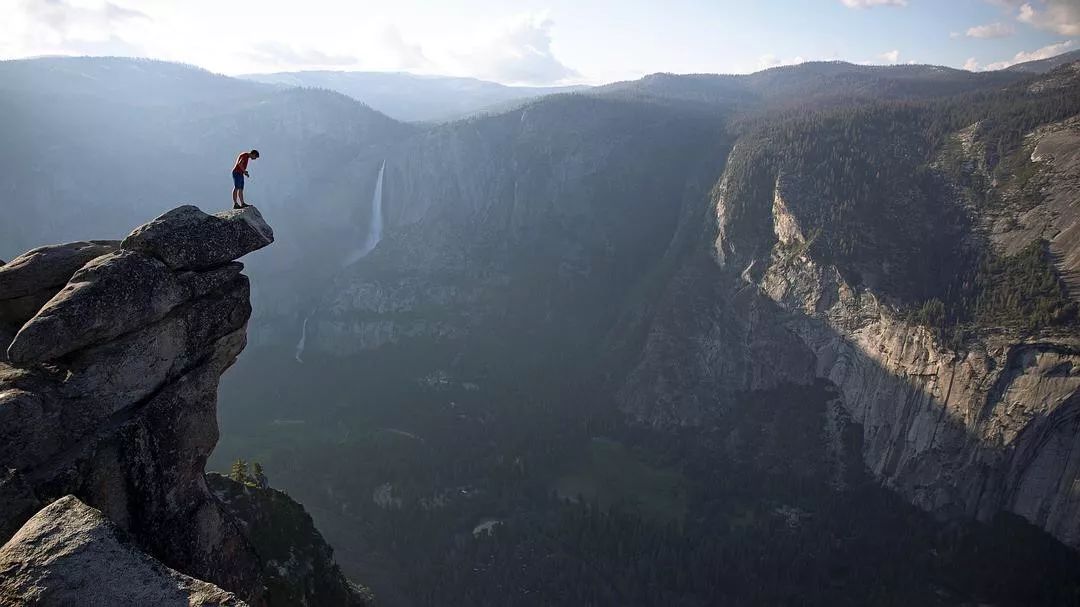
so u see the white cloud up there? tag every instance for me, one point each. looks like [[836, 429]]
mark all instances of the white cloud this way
[[67, 18], [1045, 52], [769, 61], [519, 53], [892, 56], [873, 3], [511, 49], [408, 55], [282, 56], [990, 30], [971, 65], [66, 27], [1060, 16]]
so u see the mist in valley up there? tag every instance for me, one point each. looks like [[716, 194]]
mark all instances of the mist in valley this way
[[533, 335]]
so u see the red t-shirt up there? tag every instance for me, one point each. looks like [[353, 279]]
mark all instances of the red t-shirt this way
[[241, 162]]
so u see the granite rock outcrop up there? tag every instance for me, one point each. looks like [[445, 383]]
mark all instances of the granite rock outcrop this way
[[109, 396]]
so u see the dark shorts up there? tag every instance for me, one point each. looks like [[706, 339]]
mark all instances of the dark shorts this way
[[238, 180]]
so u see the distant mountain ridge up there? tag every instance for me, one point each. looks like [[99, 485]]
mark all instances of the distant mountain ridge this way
[[646, 262], [1043, 66], [413, 97], [816, 83]]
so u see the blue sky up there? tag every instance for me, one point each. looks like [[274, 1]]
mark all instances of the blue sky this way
[[543, 41]]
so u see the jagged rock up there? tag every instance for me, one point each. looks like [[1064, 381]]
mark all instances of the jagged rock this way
[[70, 554], [34, 277], [108, 297], [126, 423], [124, 414], [51, 266], [188, 238], [103, 380]]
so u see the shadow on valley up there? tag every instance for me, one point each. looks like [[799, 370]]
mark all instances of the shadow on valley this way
[[498, 468], [457, 427], [464, 488]]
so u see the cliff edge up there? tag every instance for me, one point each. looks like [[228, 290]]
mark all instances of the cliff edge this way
[[112, 353]]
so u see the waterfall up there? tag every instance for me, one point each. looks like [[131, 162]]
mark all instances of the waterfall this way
[[375, 227], [374, 235], [303, 340]]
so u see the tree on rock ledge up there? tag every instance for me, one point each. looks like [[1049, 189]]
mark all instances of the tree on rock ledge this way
[[239, 472], [258, 476]]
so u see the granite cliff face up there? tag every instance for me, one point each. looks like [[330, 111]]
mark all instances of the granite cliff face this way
[[972, 430], [108, 394], [498, 228], [533, 221]]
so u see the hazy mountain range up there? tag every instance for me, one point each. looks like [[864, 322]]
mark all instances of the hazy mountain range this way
[[804, 336], [414, 98]]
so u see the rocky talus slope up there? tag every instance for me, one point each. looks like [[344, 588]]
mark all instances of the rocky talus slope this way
[[108, 412]]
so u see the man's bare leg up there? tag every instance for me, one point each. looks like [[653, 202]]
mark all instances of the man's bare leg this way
[[242, 203], [234, 191]]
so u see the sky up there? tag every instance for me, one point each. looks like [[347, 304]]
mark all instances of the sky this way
[[542, 42]]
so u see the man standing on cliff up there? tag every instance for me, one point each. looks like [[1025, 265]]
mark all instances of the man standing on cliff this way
[[238, 173]]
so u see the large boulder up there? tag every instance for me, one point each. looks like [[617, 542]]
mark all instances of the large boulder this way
[[51, 266], [43, 411], [110, 296], [69, 554], [123, 416], [188, 238], [32, 278]]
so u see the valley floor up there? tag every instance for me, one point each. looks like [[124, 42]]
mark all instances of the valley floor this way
[[469, 491]]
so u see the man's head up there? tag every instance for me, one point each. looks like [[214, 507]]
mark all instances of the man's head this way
[[254, 153]]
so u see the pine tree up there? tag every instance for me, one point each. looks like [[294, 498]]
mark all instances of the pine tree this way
[[239, 471], [259, 476]]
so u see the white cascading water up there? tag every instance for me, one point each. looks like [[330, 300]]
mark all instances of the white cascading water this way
[[375, 228], [374, 235], [303, 341]]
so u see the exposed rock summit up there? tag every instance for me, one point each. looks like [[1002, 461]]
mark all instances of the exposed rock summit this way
[[185, 238]]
